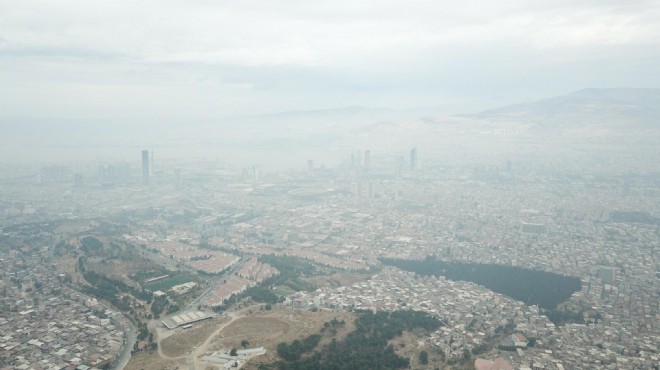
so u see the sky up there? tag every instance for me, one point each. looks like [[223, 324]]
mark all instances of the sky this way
[[207, 59]]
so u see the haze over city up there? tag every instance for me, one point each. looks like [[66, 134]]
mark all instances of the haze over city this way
[[329, 185], [91, 69]]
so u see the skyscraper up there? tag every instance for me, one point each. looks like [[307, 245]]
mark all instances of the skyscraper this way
[[255, 173], [413, 158], [145, 167]]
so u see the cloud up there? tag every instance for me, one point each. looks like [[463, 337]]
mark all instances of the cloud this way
[[310, 33], [242, 56]]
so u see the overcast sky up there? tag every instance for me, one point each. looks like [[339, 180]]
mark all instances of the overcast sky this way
[[94, 59]]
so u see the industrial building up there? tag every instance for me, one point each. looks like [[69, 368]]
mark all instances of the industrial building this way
[[173, 322]]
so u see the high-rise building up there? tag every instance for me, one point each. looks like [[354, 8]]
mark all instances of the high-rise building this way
[[145, 167], [413, 158], [367, 158]]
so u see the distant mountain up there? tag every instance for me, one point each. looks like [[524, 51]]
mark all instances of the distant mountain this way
[[605, 108]]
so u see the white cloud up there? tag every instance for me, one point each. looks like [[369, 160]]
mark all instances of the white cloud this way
[[311, 53], [308, 33]]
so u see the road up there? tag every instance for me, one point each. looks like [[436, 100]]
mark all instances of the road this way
[[193, 305], [130, 333], [213, 282], [194, 355], [202, 348], [130, 337]]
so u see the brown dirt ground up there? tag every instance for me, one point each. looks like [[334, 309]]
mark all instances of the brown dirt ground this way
[[260, 328], [72, 228], [185, 339], [410, 344], [268, 328], [121, 269], [337, 279], [152, 361], [68, 266]]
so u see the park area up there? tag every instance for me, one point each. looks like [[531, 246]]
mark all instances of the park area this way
[[167, 283]]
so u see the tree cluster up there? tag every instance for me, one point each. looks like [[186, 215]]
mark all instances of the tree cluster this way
[[158, 306], [106, 288], [291, 269], [91, 244], [297, 348], [364, 348], [259, 294], [424, 357], [634, 217]]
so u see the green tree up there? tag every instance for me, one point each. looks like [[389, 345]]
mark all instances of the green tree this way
[[233, 352], [245, 343], [424, 357]]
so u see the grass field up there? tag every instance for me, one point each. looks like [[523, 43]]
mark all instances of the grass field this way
[[169, 282], [283, 290]]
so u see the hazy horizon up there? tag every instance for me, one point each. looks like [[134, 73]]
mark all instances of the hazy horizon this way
[[102, 80], [204, 60]]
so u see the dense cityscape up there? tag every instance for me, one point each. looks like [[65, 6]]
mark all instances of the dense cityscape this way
[[329, 185], [99, 263]]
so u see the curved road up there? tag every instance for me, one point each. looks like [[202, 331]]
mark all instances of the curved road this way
[[202, 348], [130, 337]]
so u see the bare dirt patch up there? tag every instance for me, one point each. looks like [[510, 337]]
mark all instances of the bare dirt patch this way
[[338, 279], [268, 328], [68, 266], [152, 361], [258, 330], [410, 344], [72, 228], [183, 340], [120, 269]]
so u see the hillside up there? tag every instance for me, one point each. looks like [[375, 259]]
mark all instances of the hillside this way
[[621, 108]]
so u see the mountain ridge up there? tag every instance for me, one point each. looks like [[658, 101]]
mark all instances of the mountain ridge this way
[[608, 108]]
